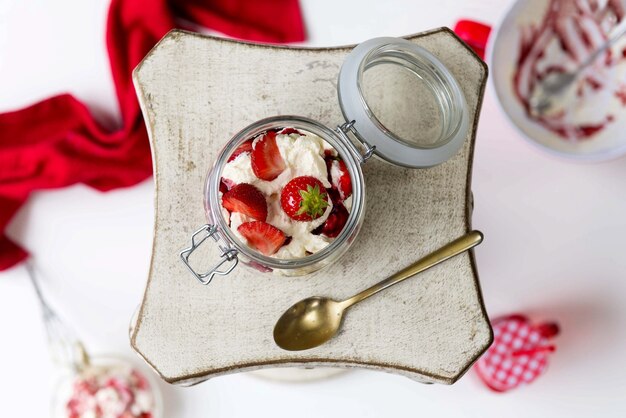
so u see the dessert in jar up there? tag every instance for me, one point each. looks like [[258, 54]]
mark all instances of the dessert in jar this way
[[286, 194], [264, 169]]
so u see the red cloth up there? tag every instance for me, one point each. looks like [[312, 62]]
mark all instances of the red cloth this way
[[56, 143], [519, 353]]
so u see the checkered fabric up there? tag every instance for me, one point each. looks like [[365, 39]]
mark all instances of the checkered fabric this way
[[512, 359]]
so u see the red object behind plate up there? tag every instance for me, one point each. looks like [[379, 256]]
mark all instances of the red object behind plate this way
[[474, 34], [519, 353]]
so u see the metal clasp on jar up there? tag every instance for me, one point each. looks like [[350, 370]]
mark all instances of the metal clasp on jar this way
[[343, 130], [228, 254]]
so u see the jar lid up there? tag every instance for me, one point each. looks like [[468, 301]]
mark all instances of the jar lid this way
[[443, 117]]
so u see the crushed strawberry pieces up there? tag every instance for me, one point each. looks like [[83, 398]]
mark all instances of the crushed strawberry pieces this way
[[117, 391], [286, 188]]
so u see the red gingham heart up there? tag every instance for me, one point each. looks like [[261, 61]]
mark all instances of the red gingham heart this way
[[518, 355]]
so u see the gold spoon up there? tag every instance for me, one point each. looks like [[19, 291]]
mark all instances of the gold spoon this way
[[315, 320]]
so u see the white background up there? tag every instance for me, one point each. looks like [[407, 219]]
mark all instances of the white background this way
[[554, 243]]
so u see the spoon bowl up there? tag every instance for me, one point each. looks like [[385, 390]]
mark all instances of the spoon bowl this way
[[308, 323]]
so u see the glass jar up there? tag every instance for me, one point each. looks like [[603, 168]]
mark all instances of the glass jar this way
[[363, 135]]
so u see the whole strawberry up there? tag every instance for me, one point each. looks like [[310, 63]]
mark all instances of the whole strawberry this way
[[304, 199]]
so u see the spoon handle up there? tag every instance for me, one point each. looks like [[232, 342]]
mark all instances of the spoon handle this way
[[617, 32], [449, 250]]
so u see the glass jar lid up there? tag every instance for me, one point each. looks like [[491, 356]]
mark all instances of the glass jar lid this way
[[404, 102]]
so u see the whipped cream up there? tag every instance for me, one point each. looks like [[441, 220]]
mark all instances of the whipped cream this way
[[304, 156]]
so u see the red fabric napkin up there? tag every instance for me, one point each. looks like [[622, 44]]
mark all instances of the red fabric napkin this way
[[56, 142]]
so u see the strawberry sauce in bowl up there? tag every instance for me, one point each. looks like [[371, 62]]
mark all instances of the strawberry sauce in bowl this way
[[539, 39]]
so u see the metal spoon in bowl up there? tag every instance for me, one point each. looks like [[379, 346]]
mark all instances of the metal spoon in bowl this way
[[555, 84], [315, 320]]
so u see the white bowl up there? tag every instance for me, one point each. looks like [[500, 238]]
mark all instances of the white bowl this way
[[63, 388], [503, 50]]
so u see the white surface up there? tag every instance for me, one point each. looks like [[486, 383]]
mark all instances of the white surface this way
[[554, 244]]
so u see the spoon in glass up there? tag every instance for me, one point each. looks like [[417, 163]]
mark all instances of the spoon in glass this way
[[315, 320]]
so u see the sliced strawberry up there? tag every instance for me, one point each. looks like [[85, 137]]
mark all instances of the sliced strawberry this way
[[334, 196], [328, 159], [140, 380], [262, 236], [226, 185], [241, 149], [267, 163], [335, 222], [258, 266], [340, 178], [247, 200], [288, 131], [304, 198]]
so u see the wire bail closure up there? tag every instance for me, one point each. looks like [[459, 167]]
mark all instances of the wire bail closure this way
[[343, 130], [228, 254], [430, 71]]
